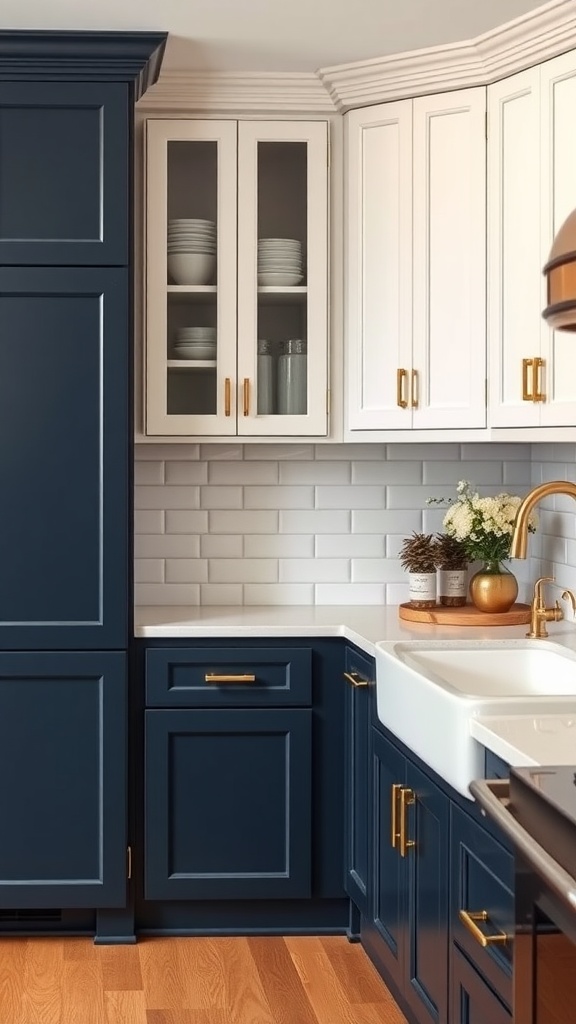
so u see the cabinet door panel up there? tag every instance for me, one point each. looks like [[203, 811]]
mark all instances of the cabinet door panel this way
[[390, 897], [379, 263], [65, 173], [449, 260], [228, 808], [64, 450], [472, 1001], [63, 780], [427, 862]]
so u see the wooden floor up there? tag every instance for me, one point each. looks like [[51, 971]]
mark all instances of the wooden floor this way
[[192, 981]]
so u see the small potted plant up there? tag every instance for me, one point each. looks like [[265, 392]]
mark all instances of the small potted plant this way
[[418, 556], [452, 563]]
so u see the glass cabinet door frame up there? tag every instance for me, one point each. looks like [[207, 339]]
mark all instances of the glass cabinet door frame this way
[[159, 133], [313, 295]]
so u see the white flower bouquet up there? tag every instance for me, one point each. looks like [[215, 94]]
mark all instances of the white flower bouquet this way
[[484, 526]]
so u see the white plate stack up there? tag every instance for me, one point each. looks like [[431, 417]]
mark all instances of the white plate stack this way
[[191, 250], [195, 343], [280, 262]]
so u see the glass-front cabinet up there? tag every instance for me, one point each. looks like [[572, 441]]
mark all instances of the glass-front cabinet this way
[[236, 278]]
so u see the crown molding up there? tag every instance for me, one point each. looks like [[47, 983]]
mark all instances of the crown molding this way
[[238, 92], [535, 37]]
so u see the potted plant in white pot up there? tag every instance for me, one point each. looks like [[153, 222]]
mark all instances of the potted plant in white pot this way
[[452, 563], [418, 555]]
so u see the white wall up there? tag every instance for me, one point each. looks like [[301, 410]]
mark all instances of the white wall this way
[[301, 524]]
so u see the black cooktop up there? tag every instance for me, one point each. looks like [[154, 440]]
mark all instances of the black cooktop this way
[[543, 800]]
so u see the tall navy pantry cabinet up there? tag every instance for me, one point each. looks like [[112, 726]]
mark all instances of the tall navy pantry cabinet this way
[[66, 116]]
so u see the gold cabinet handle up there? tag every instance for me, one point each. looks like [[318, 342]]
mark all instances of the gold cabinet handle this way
[[227, 395], [401, 376], [470, 918], [407, 798], [355, 680], [212, 677], [246, 395], [414, 389], [527, 364], [539, 396], [394, 796]]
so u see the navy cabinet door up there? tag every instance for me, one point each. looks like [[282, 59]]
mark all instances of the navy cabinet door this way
[[427, 864], [64, 153], [472, 1001], [386, 933], [228, 804], [62, 780], [359, 676], [64, 458]]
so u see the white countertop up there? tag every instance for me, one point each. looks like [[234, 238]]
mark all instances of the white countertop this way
[[523, 740]]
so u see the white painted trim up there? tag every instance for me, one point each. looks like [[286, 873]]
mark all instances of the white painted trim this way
[[237, 92], [535, 37]]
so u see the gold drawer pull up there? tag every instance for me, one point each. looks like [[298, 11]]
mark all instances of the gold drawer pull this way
[[407, 798], [211, 677], [470, 918], [355, 679], [527, 364], [394, 833]]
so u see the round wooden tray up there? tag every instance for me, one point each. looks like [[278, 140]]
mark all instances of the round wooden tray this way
[[466, 615]]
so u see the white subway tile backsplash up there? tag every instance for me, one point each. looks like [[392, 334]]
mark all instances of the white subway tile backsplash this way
[[167, 593], [486, 451], [423, 452], [350, 545], [314, 570], [186, 570], [279, 497], [218, 545], [352, 497], [157, 452], [148, 570], [243, 473], [243, 570], [349, 593], [385, 521], [278, 593], [224, 452], [478, 473], [221, 593], [387, 472], [278, 452], [246, 522], [166, 497], [351, 452], [166, 545], [517, 477], [315, 472], [149, 521], [283, 545], [190, 472], [315, 521], [149, 473], [377, 570], [186, 521], [220, 497]]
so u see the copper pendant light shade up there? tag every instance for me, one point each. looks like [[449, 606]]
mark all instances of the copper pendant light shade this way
[[560, 272]]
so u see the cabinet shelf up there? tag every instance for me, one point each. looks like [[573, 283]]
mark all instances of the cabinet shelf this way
[[185, 292], [191, 364], [270, 296]]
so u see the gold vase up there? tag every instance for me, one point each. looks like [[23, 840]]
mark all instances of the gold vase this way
[[493, 588]]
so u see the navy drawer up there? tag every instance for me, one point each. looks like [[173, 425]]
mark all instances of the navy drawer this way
[[482, 874], [228, 677], [360, 665]]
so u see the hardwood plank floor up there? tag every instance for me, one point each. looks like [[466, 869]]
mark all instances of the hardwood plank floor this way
[[263, 980]]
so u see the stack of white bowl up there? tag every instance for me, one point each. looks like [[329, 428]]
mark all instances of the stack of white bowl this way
[[280, 261], [195, 343], [191, 250]]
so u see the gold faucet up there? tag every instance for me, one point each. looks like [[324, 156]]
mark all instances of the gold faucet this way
[[539, 613]]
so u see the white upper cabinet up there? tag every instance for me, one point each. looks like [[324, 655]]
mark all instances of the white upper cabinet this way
[[236, 278], [531, 190], [415, 273]]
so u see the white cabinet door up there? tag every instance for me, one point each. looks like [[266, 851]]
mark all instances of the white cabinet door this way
[[531, 190], [514, 249], [378, 266], [416, 263], [558, 178], [190, 194], [449, 260], [282, 278]]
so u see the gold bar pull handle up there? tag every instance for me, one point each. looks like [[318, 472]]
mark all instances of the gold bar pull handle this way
[[213, 677], [527, 364], [401, 376], [246, 395], [539, 396], [470, 919], [414, 390], [407, 798], [394, 833], [227, 395], [355, 680]]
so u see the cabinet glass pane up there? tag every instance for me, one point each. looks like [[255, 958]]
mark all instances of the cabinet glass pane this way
[[282, 364], [192, 215]]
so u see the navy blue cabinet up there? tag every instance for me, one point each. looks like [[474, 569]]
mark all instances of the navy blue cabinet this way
[[64, 458], [228, 804], [359, 677], [62, 779], [406, 933], [471, 1001]]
